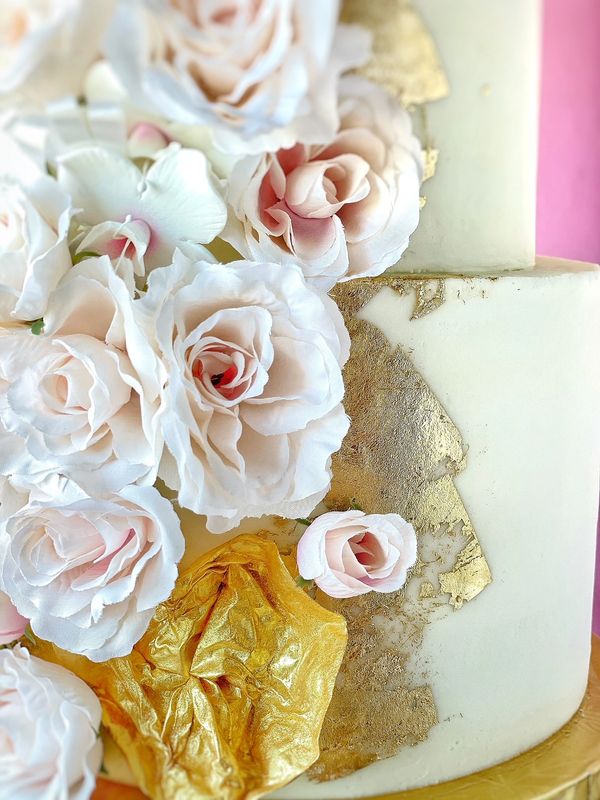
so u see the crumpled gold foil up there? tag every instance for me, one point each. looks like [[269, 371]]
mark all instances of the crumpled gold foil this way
[[225, 695]]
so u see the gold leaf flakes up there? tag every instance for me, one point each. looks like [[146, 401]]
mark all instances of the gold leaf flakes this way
[[401, 456], [405, 58]]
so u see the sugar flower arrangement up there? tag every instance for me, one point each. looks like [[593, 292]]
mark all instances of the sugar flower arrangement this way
[[167, 245]]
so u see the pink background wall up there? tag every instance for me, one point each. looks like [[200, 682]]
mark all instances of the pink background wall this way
[[569, 178]]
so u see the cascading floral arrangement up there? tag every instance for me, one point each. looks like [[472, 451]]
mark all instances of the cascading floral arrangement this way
[[181, 184]]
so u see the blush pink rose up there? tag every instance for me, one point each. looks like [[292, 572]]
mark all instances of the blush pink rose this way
[[49, 725], [71, 399], [89, 572], [257, 72], [348, 553], [344, 208], [251, 410], [12, 624]]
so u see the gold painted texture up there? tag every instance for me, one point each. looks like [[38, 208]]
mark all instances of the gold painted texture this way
[[225, 695]]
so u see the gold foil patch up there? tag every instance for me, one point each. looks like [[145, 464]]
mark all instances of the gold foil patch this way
[[401, 455], [405, 58], [224, 696]]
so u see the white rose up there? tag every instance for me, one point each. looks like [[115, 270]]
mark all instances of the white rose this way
[[49, 723], [89, 573], [46, 46], [143, 216], [348, 553], [256, 72], [344, 208], [252, 401], [34, 248], [72, 396]]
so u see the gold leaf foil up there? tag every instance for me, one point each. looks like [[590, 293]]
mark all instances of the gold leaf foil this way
[[564, 767], [224, 696], [430, 159], [405, 59], [401, 456]]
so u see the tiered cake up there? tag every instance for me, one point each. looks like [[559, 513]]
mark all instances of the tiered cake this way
[[307, 497]]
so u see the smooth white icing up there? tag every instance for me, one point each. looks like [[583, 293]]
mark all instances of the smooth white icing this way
[[480, 210]]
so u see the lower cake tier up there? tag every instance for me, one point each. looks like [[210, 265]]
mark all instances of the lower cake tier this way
[[475, 408], [564, 767]]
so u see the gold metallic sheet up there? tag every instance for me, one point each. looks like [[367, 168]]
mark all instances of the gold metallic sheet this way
[[225, 694], [564, 767], [405, 58], [401, 455]]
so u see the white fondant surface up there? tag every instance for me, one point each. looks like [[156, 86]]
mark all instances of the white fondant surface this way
[[480, 210]]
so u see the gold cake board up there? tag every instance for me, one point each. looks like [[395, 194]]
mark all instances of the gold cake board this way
[[564, 767]]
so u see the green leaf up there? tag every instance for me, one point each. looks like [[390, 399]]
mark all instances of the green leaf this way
[[79, 257], [303, 521], [355, 507], [28, 634], [303, 583], [37, 327]]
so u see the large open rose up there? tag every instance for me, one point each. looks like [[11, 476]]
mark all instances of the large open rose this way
[[252, 404], [49, 725], [249, 67], [45, 46], [88, 573], [72, 396], [342, 209], [34, 250]]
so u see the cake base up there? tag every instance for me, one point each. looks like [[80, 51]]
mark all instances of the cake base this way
[[564, 767]]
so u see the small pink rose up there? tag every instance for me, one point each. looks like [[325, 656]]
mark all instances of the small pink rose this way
[[146, 139], [349, 553], [12, 624]]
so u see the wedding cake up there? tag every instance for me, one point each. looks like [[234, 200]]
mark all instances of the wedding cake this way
[[300, 444]]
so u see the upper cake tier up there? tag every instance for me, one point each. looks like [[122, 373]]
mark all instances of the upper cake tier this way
[[480, 211]]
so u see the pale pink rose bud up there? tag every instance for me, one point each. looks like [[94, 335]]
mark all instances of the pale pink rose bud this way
[[12, 624], [146, 139], [349, 553]]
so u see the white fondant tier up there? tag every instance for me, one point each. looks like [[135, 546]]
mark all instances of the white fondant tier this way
[[480, 210], [513, 360]]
